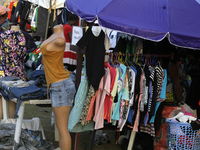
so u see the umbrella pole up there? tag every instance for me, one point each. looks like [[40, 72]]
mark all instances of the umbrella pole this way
[[131, 140]]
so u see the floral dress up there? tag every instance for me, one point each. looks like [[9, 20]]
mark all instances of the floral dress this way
[[12, 54]]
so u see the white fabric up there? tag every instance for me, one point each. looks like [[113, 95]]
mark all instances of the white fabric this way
[[33, 19], [132, 88], [107, 43], [69, 60], [30, 124], [46, 3], [18, 83], [113, 38]]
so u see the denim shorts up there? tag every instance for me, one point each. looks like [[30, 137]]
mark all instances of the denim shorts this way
[[62, 93]]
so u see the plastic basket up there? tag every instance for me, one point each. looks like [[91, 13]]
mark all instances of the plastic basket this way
[[181, 136]]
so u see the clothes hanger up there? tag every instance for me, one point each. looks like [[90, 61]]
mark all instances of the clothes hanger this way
[[120, 58], [154, 61], [110, 60], [116, 60], [125, 62], [137, 61], [107, 57], [130, 63]]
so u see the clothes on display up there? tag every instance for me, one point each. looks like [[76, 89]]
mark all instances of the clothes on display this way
[[41, 21], [14, 87], [141, 105], [25, 13], [69, 55], [13, 51], [95, 52], [5, 26], [74, 125]]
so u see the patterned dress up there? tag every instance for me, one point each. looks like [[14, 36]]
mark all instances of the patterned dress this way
[[12, 54]]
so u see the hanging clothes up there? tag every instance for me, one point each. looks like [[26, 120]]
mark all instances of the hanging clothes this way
[[113, 38], [13, 51], [124, 111], [24, 15], [121, 86], [90, 95], [18, 11], [42, 21], [10, 7], [69, 55], [74, 125], [95, 53], [34, 19], [108, 100], [90, 113], [104, 87], [114, 93]]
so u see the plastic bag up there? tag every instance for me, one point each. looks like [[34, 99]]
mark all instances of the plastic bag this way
[[29, 140], [161, 135], [100, 138]]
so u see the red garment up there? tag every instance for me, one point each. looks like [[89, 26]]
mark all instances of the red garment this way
[[90, 113], [69, 56], [28, 26], [67, 29], [108, 99], [10, 7]]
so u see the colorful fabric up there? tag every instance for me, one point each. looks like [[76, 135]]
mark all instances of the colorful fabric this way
[[86, 106], [108, 100], [121, 86], [12, 54], [163, 91], [69, 55], [104, 86], [90, 113], [74, 125], [122, 104], [5, 26]]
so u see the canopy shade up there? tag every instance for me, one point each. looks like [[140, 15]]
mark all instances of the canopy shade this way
[[149, 19]]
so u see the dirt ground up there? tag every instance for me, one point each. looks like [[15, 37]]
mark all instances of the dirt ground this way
[[44, 113]]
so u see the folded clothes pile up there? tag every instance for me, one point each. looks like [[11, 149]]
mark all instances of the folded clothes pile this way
[[186, 117], [13, 87]]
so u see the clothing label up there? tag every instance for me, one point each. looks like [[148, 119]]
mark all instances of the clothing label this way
[[77, 33]]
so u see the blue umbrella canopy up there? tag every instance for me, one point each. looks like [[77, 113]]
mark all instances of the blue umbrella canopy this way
[[148, 19]]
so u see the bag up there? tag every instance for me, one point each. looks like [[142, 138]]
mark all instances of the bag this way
[[161, 135]]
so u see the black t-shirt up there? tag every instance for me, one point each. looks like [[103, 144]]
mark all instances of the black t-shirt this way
[[95, 53]]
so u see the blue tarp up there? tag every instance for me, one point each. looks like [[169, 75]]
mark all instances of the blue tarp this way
[[149, 19]]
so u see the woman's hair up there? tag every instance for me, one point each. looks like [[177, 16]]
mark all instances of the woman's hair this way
[[73, 17]]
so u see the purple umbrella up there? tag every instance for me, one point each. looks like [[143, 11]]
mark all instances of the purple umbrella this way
[[148, 19]]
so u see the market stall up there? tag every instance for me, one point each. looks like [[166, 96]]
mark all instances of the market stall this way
[[150, 20]]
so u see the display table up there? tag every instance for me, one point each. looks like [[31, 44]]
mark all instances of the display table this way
[[20, 113]]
